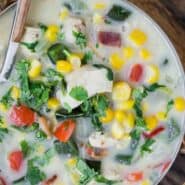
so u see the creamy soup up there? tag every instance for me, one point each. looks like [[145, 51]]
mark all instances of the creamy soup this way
[[96, 97]]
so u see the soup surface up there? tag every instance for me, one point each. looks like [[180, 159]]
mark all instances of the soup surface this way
[[96, 97]]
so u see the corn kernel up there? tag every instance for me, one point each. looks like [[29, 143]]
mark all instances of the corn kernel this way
[[64, 66], [128, 52], [151, 122], [72, 162], [161, 116], [97, 19], [121, 91], [125, 105], [3, 108], [75, 61], [109, 115], [35, 69], [116, 61], [179, 104], [64, 13], [146, 182], [138, 37], [15, 93], [119, 116], [52, 33], [145, 54], [53, 104], [129, 122], [145, 106], [117, 131], [154, 77], [100, 6]]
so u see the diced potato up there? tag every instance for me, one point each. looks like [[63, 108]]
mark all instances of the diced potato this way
[[138, 37], [75, 61], [117, 131], [116, 61]]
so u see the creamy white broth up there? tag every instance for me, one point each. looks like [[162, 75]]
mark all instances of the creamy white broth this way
[[147, 168]]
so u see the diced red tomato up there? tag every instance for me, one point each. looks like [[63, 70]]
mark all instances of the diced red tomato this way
[[154, 133], [136, 73], [2, 181], [22, 116], [15, 160], [135, 176], [110, 38], [65, 130], [50, 181]]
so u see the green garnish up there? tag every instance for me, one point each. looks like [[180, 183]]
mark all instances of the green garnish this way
[[3, 132], [79, 93], [25, 148], [7, 99], [165, 62], [125, 159], [169, 106], [31, 46], [146, 147], [154, 87], [81, 39], [110, 74], [69, 147], [88, 56], [118, 13], [34, 174], [43, 27]]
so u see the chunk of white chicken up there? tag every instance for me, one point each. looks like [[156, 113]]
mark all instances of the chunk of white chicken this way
[[93, 80], [31, 35], [73, 25], [100, 140]]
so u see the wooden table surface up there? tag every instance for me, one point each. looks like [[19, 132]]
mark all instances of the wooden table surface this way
[[170, 15]]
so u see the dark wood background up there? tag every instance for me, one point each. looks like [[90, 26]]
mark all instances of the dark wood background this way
[[170, 15]]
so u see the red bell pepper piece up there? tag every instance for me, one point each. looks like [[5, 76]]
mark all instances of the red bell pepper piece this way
[[135, 176], [22, 116], [136, 73], [15, 160], [154, 132]]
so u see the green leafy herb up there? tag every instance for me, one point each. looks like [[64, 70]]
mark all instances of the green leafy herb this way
[[165, 62], [102, 179], [118, 13], [57, 52], [68, 6], [40, 135], [31, 46], [88, 56], [43, 27], [45, 159], [61, 36], [79, 93], [173, 130], [154, 87], [3, 132], [7, 99], [19, 181], [25, 148], [81, 39], [125, 159], [169, 106], [110, 74], [33, 94], [69, 147], [146, 147], [34, 174]]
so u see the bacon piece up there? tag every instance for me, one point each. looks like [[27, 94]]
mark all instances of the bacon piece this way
[[110, 38]]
